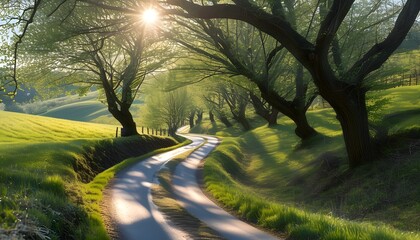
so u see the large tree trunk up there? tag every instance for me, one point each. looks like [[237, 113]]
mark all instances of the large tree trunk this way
[[124, 116], [353, 117], [349, 103]]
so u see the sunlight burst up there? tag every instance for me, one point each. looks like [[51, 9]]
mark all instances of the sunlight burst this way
[[150, 16]]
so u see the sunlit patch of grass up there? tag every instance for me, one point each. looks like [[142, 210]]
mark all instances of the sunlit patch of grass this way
[[93, 192], [41, 195], [18, 128], [256, 203], [279, 182]]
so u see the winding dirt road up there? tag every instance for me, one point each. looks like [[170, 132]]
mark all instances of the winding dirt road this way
[[136, 217]]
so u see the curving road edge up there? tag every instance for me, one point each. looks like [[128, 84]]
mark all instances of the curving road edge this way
[[131, 207], [189, 194], [136, 217]]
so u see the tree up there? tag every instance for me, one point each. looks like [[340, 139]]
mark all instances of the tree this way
[[113, 56], [264, 109], [217, 106], [237, 100], [170, 108], [234, 48], [15, 18], [345, 92]]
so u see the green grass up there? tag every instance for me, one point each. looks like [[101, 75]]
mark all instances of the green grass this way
[[19, 128], [79, 108], [409, 60], [307, 191], [80, 111], [41, 194]]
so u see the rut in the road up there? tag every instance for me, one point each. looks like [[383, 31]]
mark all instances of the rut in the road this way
[[164, 199]]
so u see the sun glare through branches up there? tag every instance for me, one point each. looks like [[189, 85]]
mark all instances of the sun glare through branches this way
[[150, 16]]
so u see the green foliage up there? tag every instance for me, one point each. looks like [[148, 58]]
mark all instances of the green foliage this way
[[165, 108], [375, 106]]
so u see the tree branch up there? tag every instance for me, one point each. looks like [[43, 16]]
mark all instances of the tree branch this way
[[34, 9], [380, 52], [276, 26], [331, 23]]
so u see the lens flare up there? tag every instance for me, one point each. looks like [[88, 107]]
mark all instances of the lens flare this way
[[150, 16]]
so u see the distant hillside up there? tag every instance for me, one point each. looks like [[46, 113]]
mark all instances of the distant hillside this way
[[80, 111], [74, 107], [18, 127]]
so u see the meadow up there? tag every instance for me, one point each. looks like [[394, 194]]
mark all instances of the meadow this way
[[306, 191], [53, 171]]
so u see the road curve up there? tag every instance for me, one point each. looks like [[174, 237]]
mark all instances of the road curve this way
[[134, 214], [136, 217], [189, 194]]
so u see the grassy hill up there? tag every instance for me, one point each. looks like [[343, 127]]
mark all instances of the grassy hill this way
[[78, 108], [46, 168], [18, 128], [81, 111], [307, 191]]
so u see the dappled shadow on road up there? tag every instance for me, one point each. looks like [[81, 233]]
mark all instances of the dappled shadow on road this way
[[196, 203], [136, 216]]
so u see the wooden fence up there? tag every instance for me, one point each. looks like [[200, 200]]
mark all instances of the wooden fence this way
[[406, 79], [147, 130]]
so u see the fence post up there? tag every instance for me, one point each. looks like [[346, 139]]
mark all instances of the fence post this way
[[147, 130], [116, 132], [417, 77], [142, 129], [153, 133]]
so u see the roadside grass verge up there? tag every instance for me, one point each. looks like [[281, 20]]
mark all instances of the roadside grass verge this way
[[42, 196], [271, 178], [236, 191], [93, 192]]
